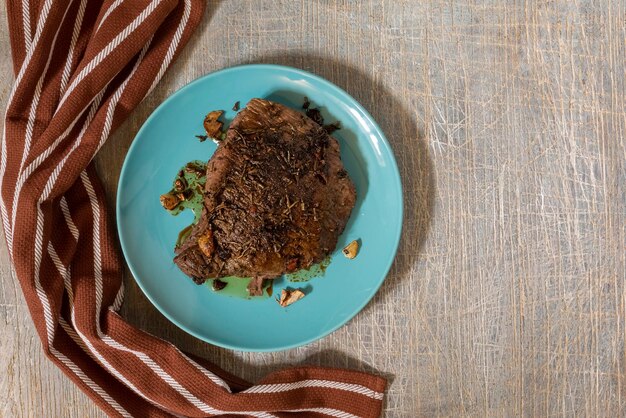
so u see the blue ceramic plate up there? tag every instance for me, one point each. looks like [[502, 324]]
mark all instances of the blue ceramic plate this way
[[148, 233]]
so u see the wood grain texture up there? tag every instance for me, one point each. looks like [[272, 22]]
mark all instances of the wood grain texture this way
[[508, 119]]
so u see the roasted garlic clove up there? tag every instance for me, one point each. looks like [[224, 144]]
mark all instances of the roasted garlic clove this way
[[169, 201], [212, 125], [351, 250], [184, 195], [287, 297], [205, 242], [180, 184]]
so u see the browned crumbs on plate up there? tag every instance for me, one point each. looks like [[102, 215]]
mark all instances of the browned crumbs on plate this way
[[218, 285], [315, 115], [236, 106], [195, 169], [332, 127]]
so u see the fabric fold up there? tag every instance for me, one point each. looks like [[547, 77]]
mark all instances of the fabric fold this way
[[81, 66]]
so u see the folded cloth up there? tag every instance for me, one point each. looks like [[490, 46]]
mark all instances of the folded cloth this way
[[80, 67]]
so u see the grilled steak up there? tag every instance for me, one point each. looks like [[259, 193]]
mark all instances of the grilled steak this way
[[276, 199]]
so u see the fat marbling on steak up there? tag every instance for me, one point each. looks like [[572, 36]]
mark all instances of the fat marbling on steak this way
[[276, 199]]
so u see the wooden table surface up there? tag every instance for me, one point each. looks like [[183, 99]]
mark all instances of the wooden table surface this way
[[508, 121]]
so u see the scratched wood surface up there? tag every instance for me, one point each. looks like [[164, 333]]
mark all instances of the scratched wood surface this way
[[508, 121]]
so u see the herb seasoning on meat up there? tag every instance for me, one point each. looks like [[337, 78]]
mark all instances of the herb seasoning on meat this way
[[276, 199]]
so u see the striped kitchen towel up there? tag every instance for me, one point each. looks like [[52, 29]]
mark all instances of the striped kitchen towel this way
[[80, 67]]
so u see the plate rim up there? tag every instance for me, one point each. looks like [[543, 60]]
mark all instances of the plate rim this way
[[335, 90]]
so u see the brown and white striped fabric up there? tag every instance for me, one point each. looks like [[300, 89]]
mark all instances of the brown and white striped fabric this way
[[80, 67]]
